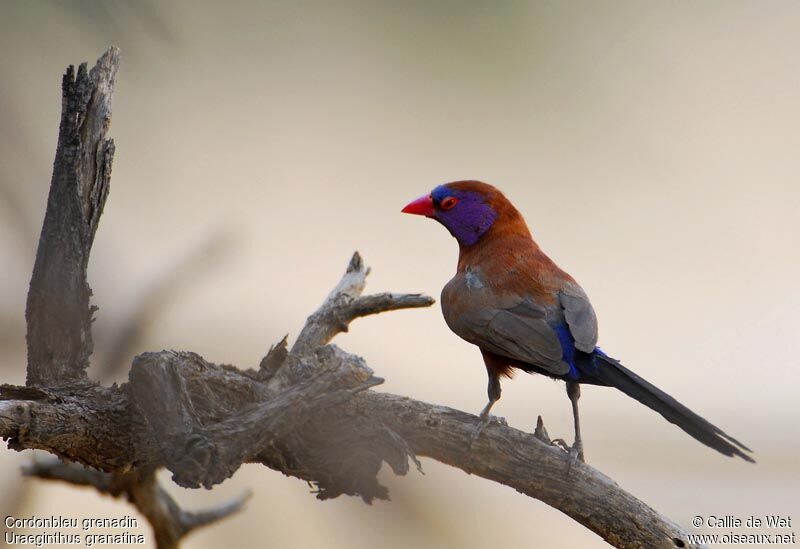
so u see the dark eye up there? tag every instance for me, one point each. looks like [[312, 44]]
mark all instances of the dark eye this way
[[448, 202]]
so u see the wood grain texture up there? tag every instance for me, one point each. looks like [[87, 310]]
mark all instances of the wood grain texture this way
[[58, 312]]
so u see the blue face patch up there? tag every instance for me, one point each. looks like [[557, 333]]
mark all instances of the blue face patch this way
[[469, 219]]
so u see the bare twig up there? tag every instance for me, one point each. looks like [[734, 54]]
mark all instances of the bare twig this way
[[344, 304], [71, 473], [170, 522]]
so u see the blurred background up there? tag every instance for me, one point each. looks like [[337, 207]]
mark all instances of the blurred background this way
[[652, 147]]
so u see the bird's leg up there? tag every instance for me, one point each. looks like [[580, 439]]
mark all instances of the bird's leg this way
[[494, 396], [576, 451]]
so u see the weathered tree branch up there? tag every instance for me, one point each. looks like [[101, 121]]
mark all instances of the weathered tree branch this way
[[58, 312], [345, 303], [396, 428], [170, 522], [307, 412]]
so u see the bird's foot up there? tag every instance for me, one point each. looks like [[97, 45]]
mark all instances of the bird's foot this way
[[561, 443], [575, 455], [574, 452], [486, 419]]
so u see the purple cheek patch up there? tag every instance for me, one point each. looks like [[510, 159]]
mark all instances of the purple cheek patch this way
[[469, 220]]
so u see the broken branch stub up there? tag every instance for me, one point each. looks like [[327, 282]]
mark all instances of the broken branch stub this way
[[58, 312]]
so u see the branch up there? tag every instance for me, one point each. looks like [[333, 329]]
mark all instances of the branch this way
[[208, 419], [58, 313], [59, 318], [71, 473], [205, 433], [502, 454], [527, 464], [344, 304], [169, 521]]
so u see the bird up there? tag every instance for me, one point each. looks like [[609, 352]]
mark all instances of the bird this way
[[525, 313]]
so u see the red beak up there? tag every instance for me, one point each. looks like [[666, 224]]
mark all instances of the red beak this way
[[421, 206]]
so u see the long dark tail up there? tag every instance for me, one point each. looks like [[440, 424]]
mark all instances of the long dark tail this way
[[604, 370]]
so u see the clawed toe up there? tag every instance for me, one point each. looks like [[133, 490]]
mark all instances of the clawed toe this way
[[478, 430], [485, 420], [561, 443], [575, 452], [499, 420], [575, 455]]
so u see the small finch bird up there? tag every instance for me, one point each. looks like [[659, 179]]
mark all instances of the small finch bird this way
[[524, 312]]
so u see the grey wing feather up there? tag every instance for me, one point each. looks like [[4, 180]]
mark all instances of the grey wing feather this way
[[507, 325], [519, 332], [580, 316], [528, 338]]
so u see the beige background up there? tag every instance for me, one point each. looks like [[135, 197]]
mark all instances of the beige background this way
[[653, 148]]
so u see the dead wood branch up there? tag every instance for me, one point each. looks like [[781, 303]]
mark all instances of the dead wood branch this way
[[58, 312], [170, 522], [308, 412], [345, 303]]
